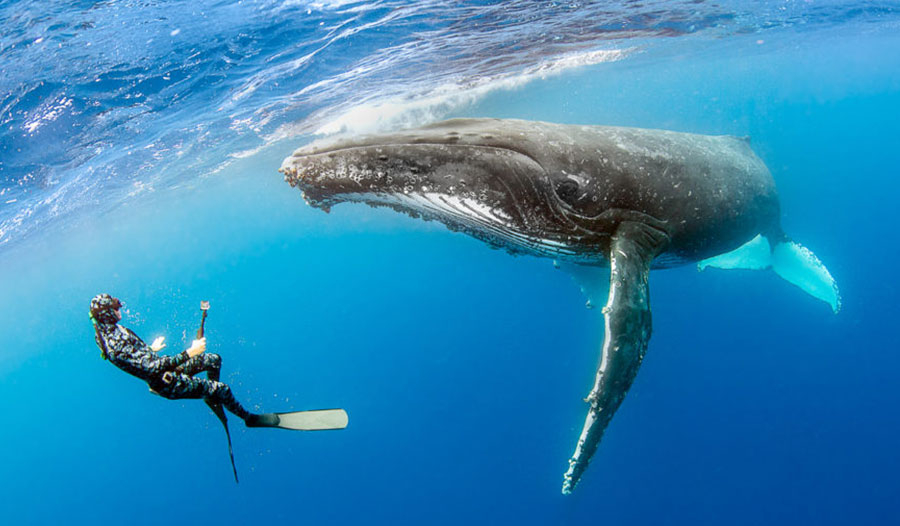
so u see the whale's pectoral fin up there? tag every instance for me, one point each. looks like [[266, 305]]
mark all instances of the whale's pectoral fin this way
[[627, 315]]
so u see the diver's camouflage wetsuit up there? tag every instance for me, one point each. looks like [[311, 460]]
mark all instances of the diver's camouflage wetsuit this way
[[168, 376]]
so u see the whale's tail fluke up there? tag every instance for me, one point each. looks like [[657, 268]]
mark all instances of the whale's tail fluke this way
[[790, 260]]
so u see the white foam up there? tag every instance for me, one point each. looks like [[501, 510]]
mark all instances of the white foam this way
[[381, 114], [49, 113]]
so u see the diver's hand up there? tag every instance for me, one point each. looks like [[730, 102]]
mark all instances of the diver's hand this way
[[158, 344], [197, 348]]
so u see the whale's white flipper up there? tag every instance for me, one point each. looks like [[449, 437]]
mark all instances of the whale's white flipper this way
[[792, 261]]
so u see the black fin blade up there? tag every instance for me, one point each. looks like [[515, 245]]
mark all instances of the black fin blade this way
[[220, 412]]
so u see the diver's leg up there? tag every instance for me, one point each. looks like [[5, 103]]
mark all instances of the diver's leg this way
[[209, 362], [213, 366], [184, 386], [219, 392]]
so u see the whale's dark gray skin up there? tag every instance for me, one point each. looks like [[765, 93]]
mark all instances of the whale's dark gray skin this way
[[553, 189], [627, 198]]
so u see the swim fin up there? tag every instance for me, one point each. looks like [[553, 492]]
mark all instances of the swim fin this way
[[316, 420], [220, 413]]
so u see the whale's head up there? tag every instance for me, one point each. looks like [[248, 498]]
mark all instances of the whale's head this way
[[485, 177]]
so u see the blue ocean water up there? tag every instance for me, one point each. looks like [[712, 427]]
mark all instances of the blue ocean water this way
[[139, 143]]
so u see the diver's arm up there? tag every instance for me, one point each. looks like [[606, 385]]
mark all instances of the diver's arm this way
[[157, 363], [130, 353], [141, 363], [169, 363]]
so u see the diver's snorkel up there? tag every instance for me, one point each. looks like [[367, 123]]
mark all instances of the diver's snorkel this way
[[104, 353]]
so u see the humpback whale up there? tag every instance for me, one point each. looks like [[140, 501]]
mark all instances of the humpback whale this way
[[596, 197]]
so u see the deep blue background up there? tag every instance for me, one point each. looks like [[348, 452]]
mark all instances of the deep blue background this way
[[463, 368]]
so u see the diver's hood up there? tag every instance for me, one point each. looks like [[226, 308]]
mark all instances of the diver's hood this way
[[104, 307]]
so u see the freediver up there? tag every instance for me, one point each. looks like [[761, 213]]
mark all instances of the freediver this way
[[172, 377]]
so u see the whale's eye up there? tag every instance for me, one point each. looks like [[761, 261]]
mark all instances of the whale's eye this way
[[567, 190]]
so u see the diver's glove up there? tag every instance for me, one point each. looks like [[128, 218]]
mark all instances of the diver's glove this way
[[197, 348], [158, 344]]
